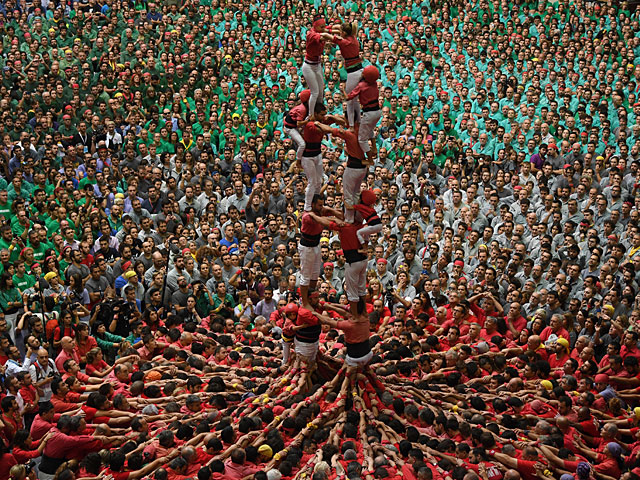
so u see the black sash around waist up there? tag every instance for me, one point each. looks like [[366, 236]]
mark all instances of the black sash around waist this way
[[309, 240], [289, 122], [358, 350], [354, 256], [312, 149], [309, 334], [356, 67], [354, 162]]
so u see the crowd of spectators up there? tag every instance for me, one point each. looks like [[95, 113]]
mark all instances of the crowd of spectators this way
[[150, 209]]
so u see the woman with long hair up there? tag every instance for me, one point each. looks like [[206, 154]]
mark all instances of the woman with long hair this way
[[345, 37], [84, 341], [11, 302], [96, 366], [65, 328], [312, 69], [25, 449], [107, 341]]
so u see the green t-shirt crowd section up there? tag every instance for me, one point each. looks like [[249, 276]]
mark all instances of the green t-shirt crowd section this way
[[151, 206]]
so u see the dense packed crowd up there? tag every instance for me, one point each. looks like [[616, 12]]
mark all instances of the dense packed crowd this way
[[280, 240]]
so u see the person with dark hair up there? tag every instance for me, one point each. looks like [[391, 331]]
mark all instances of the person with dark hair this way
[[311, 161], [312, 69], [356, 333], [298, 113], [10, 302], [313, 221], [367, 92], [117, 470], [64, 443], [236, 467], [11, 417], [25, 449]]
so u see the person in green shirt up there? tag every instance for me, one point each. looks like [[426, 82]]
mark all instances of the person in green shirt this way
[[204, 301], [223, 303], [5, 205], [21, 279], [10, 301], [38, 247], [9, 242]]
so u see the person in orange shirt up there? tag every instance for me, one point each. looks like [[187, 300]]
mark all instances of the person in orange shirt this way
[[356, 334]]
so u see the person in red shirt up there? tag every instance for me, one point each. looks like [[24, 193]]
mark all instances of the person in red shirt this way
[[64, 329], [236, 467], [11, 417], [68, 351], [514, 320], [368, 95], [208, 451], [290, 122], [609, 461], [116, 466], [452, 339], [526, 464], [30, 397], [7, 460], [84, 341], [63, 445], [312, 68], [539, 409], [312, 154], [630, 347], [290, 313], [178, 469], [355, 273], [356, 335], [355, 171], [346, 39], [59, 398], [44, 421], [555, 327], [368, 199], [307, 337], [561, 355], [312, 224], [25, 449]]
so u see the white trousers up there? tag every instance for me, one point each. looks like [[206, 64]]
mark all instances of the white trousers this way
[[359, 362], [353, 105], [12, 320], [351, 181], [312, 167], [364, 232], [314, 76], [297, 139], [355, 280], [307, 351], [310, 264], [286, 351], [367, 126]]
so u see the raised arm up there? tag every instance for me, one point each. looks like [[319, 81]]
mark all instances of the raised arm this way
[[325, 221]]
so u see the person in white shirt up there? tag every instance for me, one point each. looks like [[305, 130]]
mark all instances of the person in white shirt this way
[[13, 366], [42, 372]]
